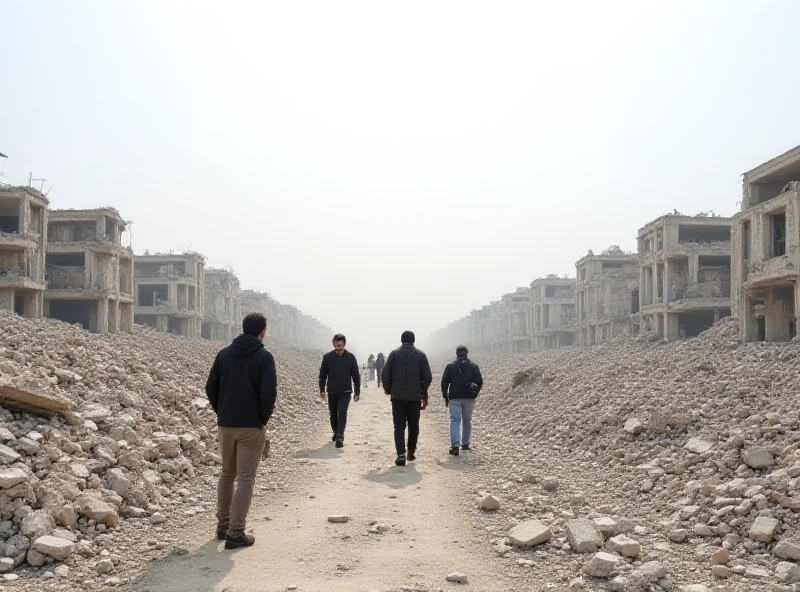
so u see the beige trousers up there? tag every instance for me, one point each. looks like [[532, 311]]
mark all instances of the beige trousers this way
[[241, 450]]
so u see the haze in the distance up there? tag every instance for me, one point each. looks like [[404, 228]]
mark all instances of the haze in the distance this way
[[386, 166]]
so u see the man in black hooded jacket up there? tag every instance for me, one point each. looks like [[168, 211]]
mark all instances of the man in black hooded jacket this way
[[242, 387]]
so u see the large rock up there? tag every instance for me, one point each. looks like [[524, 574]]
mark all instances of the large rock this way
[[583, 537], [37, 524], [602, 565], [489, 503], [7, 455], [11, 477], [529, 534], [787, 572], [698, 445], [97, 510], [633, 426], [758, 459], [788, 549], [764, 529], [625, 546], [54, 546], [117, 481]]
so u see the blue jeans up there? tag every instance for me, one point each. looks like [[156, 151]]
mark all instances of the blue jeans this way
[[461, 413], [337, 405]]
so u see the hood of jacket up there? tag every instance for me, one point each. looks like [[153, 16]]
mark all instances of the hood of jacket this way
[[245, 345]]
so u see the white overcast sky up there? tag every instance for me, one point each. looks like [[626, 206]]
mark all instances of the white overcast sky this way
[[392, 165]]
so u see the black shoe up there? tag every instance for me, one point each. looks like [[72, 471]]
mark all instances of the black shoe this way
[[400, 461], [333, 438], [222, 533], [339, 442], [236, 543], [466, 447], [454, 450], [411, 455]]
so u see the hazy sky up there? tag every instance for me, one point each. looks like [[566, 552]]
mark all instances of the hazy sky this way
[[388, 165]]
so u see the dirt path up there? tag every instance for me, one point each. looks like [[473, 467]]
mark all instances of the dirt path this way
[[425, 507]]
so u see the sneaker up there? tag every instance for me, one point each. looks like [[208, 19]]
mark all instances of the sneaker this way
[[241, 541], [339, 442], [454, 450], [222, 533], [400, 461], [411, 455], [466, 447]]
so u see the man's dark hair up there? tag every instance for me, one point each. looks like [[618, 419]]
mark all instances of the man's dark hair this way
[[407, 337], [461, 351], [339, 337], [254, 323]]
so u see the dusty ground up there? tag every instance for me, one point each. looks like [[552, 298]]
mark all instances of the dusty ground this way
[[427, 508]]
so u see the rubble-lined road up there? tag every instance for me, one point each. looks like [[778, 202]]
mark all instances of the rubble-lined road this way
[[408, 529]]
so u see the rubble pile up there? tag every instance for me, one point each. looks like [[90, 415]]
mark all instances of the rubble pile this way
[[681, 461], [138, 442]]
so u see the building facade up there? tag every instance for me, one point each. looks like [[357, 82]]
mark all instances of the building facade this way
[[552, 314]]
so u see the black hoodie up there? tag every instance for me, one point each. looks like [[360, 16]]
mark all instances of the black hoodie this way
[[242, 385]]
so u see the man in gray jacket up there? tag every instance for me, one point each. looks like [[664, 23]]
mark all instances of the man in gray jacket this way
[[406, 378]]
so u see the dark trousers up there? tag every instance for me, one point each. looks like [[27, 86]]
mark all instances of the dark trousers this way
[[405, 412], [337, 405], [380, 380]]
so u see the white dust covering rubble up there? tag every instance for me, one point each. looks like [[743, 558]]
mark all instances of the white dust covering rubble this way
[[656, 466], [79, 490]]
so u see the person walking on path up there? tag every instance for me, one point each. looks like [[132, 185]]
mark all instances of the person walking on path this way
[[461, 384], [406, 378], [339, 373], [380, 362], [371, 367], [242, 387]]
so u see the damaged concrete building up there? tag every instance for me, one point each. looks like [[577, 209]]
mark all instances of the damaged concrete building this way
[[222, 319], [685, 274], [552, 315], [766, 251], [23, 247], [89, 272], [606, 295], [170, 292], [514, 310], [254, 301]]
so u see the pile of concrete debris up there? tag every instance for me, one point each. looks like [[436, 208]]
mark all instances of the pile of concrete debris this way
[[99, 429], [688, 451]]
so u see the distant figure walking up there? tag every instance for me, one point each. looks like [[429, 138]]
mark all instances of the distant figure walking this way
[[380, 362], [242, 387], [371, 367], [461, 384], [406, 378], [339, 373]]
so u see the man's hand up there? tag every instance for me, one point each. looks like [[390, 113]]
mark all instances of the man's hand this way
[[322, 395], [356, 398], [424, 403]]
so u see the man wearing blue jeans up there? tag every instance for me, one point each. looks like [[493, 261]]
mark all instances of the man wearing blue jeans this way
[[339, 373], [461, 383]]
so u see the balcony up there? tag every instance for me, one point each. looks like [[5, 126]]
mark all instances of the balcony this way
[[771, 270]]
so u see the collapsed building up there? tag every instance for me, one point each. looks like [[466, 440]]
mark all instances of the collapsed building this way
[[23, 246], [552, 313], [606, 295], [89, 272], [170, 292], [685, 274], [221, 315], [766, 251], [514, 309], [254, 301]]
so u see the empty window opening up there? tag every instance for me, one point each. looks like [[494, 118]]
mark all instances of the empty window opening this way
[[660, 240], [9, 215], [746, 240], [635, 301], [66, 259], [153, 295], [611, 265], [19, 305], [691, 324], [81, 312], [761, 328], [688, 233], [146, 320], [779, 234], [714, 276], [774, 185], [36, 220]]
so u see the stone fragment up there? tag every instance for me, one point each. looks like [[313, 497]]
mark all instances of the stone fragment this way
[[104, 566], [758, 458], [583, 537], [764, 529], [97, 510], [6, 564], [550, 484], [633, 426], [698, 445], [11, 476], [720, 572], [679, 535], [7, 455], [457, 577], [530, 534], [338, 518], [37, 524], [625, 546], [787, 549], [787, 572], [489, 503], [602, 565], [720, 557], [54, 546]]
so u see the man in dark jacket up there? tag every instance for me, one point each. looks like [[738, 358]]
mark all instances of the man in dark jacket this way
[[456, 379], [406, 378], [339, 372], [242, 387], [380, 362]]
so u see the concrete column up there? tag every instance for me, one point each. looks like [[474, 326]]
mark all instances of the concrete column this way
[[7, 299], [172, 290], [797, 306], [102, 315], [654, 275], [87, 269], [162, 323], [23, 218], [716, 316], [694, 269], [101, 226], [667, 282], [671, 326]]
